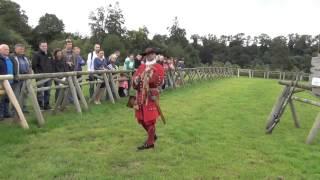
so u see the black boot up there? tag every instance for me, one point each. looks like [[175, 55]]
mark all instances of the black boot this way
[[47, 107], [7, 115], [145, 146]]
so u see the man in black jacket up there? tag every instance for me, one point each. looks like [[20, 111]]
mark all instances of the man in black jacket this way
[[42, 63]]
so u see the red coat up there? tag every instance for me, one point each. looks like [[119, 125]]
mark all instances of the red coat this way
[[148, 112]]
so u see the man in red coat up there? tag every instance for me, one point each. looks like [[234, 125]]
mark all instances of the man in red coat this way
[[146, 80]]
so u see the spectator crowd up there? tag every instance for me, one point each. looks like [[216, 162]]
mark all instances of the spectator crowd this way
[[68, 59]]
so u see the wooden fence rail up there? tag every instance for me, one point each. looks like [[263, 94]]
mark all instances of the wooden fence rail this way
[[70, 84], [280, 75]]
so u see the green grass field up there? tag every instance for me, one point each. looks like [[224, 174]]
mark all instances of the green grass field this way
[[215, 130]]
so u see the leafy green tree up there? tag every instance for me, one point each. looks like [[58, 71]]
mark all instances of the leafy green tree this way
[[136, 41], [114, 22], [49, 28], [14, 18], [105, 21], [280, 53], [97, 25], [177, 34], [112, 43]]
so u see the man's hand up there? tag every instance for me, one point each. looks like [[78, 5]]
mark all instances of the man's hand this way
[[148, 69], [70, 63], [137, 80]]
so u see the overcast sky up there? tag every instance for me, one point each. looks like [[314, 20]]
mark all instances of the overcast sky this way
[[253, 17]]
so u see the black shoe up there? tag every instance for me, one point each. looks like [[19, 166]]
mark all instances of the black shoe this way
[[155, 138], [145, 146], [47, 107], [7, 116]]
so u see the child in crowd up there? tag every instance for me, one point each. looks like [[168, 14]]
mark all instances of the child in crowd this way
[[123, 85]]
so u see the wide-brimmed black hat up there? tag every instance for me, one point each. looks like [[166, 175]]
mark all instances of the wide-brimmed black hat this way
[[150, 51]]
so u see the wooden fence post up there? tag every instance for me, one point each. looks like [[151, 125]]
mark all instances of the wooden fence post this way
[[74, 95], [280, 75], [109, 92], [59, 100], [172, 72], [96, 90], [294, 114], [79, 92], [113, 87], [22, 120], [65, 99], [313, 132], [35, 103]]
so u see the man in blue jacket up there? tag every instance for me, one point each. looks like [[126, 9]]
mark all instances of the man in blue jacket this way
[[6, 67]]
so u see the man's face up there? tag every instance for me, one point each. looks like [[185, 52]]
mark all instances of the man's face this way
[[44, 47], [4, 50], [76, 51], [139, 57], [161, 58], [59, 55], [97, 48], [20, 50], [117, 53], [131, 57], [101, 54], [69, 45], [113, 59], [151, 56]]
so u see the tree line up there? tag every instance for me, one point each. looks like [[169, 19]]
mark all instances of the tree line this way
[[290, 53]]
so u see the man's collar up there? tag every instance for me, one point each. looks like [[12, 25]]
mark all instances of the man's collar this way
[[151, 62], [43, 52], [19, 55]]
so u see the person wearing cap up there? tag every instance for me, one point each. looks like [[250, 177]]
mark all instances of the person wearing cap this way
[[146, 80]]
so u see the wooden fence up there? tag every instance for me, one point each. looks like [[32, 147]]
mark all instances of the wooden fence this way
[[251, 73], [71, 84], [287, 97]]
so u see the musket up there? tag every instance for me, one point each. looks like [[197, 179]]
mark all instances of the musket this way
[[280, 106], [145, 89], [145, 94], [159, 110]]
